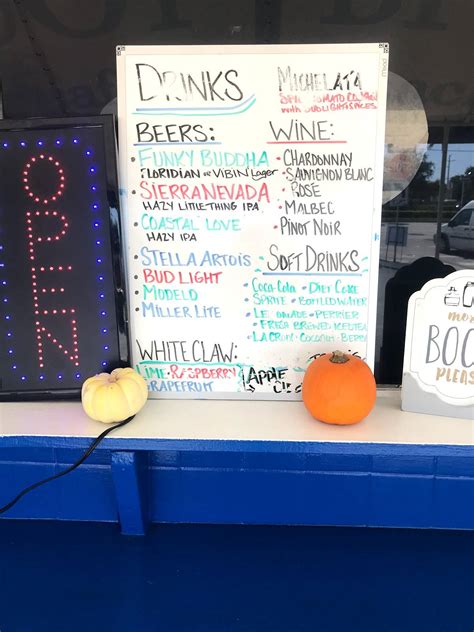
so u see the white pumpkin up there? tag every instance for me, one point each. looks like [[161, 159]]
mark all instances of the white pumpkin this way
[[112, 397]]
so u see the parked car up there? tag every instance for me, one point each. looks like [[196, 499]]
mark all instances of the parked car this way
[[458, 233]]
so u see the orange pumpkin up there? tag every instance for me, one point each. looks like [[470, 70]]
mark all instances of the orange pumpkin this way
[[339, 389]]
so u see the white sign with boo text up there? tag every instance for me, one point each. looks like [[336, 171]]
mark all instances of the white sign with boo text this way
[[438, 371]]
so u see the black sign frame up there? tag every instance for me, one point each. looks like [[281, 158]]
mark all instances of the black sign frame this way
[[116, 322]]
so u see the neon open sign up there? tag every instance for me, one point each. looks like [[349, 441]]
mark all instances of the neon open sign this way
[[61, 298]]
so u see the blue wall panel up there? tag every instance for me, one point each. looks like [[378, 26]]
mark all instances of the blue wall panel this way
[[454, 503], [28, 455], [401, 500], [258, 497], [340, 462], [400, 464], [382, 489], [453, 466], [14, 476], [85, 494]]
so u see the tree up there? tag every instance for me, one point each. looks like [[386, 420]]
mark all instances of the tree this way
[[422, 188], [462, 186]]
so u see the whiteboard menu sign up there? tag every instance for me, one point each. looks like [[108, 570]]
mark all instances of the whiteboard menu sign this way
[[252, 188]]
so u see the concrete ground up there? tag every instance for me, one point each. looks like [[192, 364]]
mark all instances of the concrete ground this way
[[421, 244]]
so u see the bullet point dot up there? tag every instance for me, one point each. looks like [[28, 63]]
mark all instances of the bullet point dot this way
[[246, 300], [132, 159], [137, 309], [135, 276], [135, 223], [248, 314], [135, 256], [283, 189], [137, 292], [133, 192]]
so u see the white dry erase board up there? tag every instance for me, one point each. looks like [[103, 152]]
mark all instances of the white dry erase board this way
[[438, 365], [252, 188]]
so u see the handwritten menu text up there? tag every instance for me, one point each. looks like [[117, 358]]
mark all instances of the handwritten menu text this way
[[253, 192]]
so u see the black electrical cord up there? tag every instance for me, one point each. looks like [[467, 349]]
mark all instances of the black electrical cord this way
[[69, 469]]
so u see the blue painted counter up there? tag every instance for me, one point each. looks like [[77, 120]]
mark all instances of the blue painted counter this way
[[145, 474]]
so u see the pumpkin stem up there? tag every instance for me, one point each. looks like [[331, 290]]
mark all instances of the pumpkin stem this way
[[338, 357]]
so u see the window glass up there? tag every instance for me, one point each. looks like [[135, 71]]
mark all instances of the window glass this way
[[58, 59], [463, 218]]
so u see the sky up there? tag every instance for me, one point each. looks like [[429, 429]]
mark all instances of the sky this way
[[462, 157]]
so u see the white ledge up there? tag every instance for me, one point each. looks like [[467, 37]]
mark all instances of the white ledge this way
[[239, 421]]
